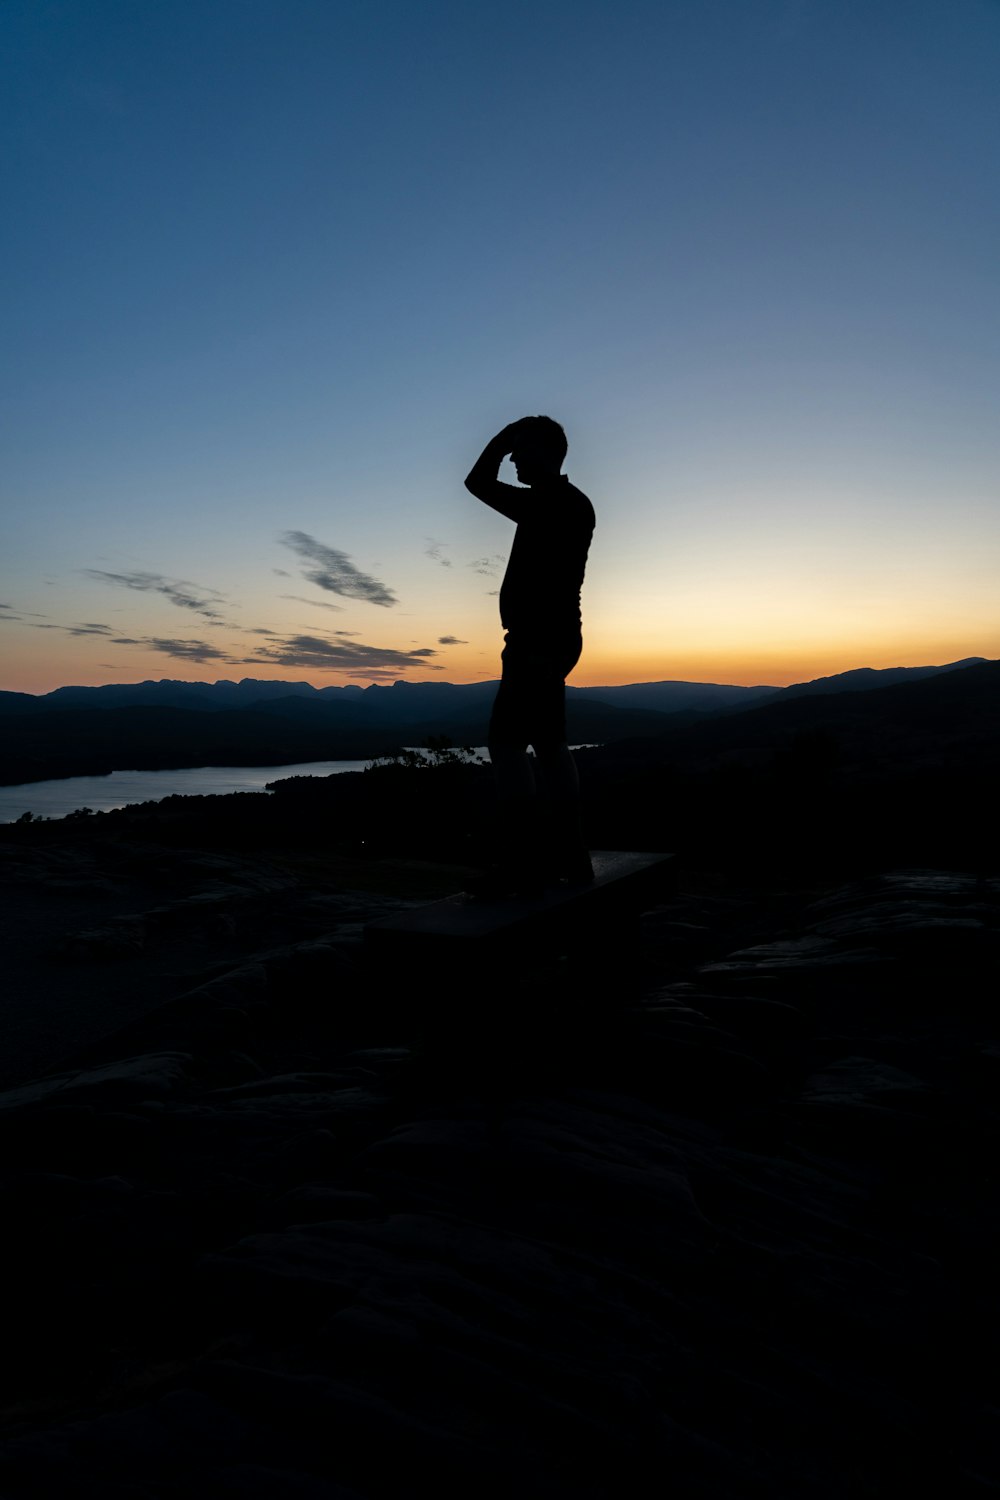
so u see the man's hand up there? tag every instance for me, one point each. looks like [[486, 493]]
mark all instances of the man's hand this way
[[482, 479], [509, 435]]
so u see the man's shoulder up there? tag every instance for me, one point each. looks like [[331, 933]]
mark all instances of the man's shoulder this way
[[560, 505], [580, 503]]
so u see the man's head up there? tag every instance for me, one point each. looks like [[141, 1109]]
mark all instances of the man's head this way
[[539, 447]]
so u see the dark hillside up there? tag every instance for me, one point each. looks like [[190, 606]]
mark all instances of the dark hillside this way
[[81, 742], [866, 679], [42, 745], [851, 779], [953, 714]]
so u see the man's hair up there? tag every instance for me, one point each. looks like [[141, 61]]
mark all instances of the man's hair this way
[[546, 436]]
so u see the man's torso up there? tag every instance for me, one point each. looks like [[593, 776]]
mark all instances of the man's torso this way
[[540, 594]]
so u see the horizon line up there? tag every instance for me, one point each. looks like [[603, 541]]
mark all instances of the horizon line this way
[[487, 681]]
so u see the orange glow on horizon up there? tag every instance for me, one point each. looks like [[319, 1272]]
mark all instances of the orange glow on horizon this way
[[36, 674]]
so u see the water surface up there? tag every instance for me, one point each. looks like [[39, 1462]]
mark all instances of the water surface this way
[[54, 799]]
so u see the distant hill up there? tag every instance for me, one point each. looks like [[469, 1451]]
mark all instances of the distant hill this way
[[864, 679], [415, 702], [946, 718], [398, 703], [18, 703], [156, 725], [56, 742], [874, 778], [168, 693], [677, 697]]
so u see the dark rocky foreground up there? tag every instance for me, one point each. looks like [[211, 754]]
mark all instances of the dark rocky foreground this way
[[717, 1215]]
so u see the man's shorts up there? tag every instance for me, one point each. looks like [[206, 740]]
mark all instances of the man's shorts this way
[[530, 705]]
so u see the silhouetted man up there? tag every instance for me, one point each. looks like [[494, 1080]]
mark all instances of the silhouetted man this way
[[540, 612]]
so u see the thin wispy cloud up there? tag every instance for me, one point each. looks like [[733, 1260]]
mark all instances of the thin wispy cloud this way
[[450, 640], [326, 654], [489, 567], [181, 593], [90, 627], [10, 612], [377, 674], [435, 551], [196, 651], [316, 603], [332, 570]]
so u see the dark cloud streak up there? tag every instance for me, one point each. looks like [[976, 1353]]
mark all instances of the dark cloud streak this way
[[332, 570], [340, 655], [316, 603], [189, 650], [196, 651], [184, 595], [488, 566]]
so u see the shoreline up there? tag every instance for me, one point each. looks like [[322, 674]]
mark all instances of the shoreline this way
[[135, 786]]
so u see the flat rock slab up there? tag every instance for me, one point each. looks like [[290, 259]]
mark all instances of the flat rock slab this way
[[622, 879]]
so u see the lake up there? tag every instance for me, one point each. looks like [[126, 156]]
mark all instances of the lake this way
[[54, 799]]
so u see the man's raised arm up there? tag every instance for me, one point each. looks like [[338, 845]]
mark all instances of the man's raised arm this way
[[482, 479]]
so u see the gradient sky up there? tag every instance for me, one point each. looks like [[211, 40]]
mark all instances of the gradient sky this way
[[274, 270]]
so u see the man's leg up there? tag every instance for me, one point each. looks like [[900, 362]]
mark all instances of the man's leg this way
[[560, 780], [509, 730], [540, 836], [518, 863], [515, 780], [559, 776]]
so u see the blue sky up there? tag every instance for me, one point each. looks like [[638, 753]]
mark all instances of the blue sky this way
[[284, 267]]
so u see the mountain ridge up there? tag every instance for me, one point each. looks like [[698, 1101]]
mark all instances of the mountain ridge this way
[[98, 735], [225, 692]]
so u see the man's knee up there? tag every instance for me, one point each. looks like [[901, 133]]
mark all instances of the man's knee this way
[[558, 772], [551, 751], [506, 736]]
